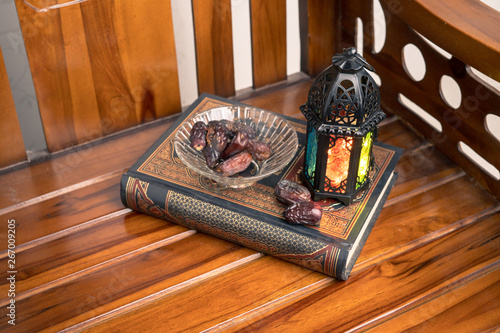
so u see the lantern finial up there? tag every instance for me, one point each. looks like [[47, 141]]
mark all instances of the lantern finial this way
[[350, 60]]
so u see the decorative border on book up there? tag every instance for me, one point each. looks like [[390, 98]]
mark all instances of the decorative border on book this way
[[137, 198], [253, 233]]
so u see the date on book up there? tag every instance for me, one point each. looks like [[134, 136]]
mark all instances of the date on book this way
[[300, 210]]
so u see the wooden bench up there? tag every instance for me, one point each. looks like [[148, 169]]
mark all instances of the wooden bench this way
[[105, 74]]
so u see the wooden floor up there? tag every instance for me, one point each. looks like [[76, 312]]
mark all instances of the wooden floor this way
[[85, 262]]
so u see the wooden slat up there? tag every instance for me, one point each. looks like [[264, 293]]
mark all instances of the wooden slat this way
[[237, 291], [44, 219], [242, 292], [420, 167], [100, 67], [126, 281], [389, 285], [397, 134], [268, 20], [72, 171], [11, 145], [284, 101], [319, 41], [214, 47], [87, 247], [471, 307], [425, 216]]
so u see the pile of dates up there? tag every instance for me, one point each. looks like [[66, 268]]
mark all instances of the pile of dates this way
[[300, 210], [228, 146]]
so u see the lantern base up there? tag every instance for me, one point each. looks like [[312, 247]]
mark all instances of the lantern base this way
[[346, 199]]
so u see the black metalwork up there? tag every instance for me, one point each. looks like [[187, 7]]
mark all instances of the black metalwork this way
[[344, 101]]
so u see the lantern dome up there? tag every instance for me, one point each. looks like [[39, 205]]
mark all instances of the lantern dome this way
[[344, 99]]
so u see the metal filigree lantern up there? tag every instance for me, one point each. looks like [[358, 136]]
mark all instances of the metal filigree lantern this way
[[342, 112]]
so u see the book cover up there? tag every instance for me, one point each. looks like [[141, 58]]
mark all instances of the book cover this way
[[160, 185]]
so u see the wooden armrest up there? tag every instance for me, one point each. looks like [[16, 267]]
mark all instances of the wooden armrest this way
[[467, 29]]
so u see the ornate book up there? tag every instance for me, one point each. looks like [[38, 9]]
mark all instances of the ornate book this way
[[159, 184]]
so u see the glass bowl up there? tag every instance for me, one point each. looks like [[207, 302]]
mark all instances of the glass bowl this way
[[271, 128]]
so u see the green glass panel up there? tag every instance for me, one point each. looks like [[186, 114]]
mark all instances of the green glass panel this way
[[311, 153], [364, 159]]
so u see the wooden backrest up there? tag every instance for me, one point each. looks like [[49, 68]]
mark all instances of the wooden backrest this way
[[468, 31], [100, 67], [103, 66]]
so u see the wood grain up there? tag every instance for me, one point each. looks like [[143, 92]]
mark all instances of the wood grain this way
[[465, 28], [268, 21], [424, 217], [283, 101], [88, 247], [389, 285], [214, 47], [472, 307], [419, 167], [318, 43], [11, 145], [77, 169], [100, 67], [129, 280], [67, 210], [237, 290]]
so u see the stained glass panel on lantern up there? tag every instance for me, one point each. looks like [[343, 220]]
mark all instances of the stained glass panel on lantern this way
[[311, 153], [364, 159], [337, 165]]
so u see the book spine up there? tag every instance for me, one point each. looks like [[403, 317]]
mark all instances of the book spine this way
[[281, 242]]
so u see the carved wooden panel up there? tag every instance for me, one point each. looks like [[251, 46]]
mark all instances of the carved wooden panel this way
[[423, 102], [268, 19], [214, 46], [100, 67], [11, 145]]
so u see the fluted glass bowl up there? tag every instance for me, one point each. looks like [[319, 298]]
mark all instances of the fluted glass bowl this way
[[271, 129]]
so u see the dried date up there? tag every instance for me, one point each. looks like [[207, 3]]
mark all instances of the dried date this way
[[290, 192], [212, 156], [307, 212], [198, 135], [228, 146], [234, 164], [242, 127], [217, 135], [237, 144], [260, 151]]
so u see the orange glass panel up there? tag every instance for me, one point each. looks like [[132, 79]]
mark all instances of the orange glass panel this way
[[339, 156]]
